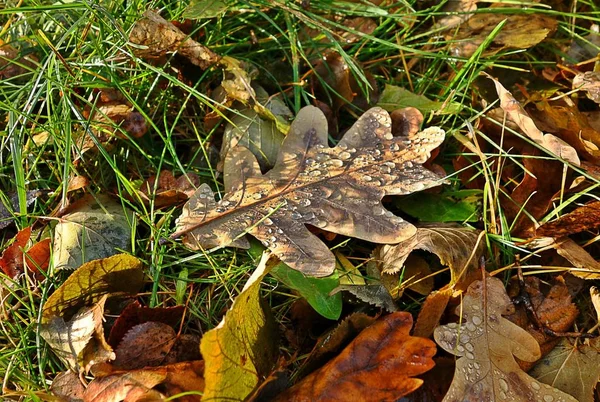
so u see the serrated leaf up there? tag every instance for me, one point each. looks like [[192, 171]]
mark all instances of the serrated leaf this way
[[487, 345], [243, 347], [96, 228], [338, 189], [394, 97]]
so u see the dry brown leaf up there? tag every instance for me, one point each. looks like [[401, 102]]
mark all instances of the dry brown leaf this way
[[588, 267], [553, 307], [431, 311], [590, 83], [11, 261], [516, 113], [156, 37], [572, 368], [338, 189], [380, 363], [586, 217], [68, 387], [128, 386], [520, 31], [144, 345], [487, 344], [166, 190], [458, 11], [12, 64], [456, 246]]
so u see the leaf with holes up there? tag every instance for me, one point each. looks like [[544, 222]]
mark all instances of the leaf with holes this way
[[487, 344], [338, 189]]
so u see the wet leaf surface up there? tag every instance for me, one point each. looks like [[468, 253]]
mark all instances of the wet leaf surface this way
[[487, 345], [585, 217], [338, 189], [11, 261], [379, 362]]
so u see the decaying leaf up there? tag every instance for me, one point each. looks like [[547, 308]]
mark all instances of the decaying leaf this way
[[572, 368], [458, 12], [588, 267], [156, 37], [144, 345], [12, 204], [487, 344], [380, 362], [243, 348], [68, 387], [374, 294], [11, 261], [516, 113], [553, 307], [585, 217], [520, 31], [12, 63], [338, 189], [457, 247], [590, 83], [72, 316], [79, 342], [165, 190], [431, 312], [95, 228]]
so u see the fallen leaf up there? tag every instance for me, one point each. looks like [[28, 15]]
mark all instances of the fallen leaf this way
[[460, 206], [95, 228], [338, 189], [516, 113], [583, 218], [144, 345], [456, 12], [406, 121], [586, 47], [520, 31], [380, 362], [432, 311], [156, 37], [487, 344], [37, 258], [590, 83], [553, 307], [14, 64], [572, 368], [6, 211], [457, 247], [134, 314], [118, 275], [376, 295], [128, 386], [165, 190], [242, 348], [201, 9], [79, 342], [394, 97], [68, 387], [589, 268], [11, 261]]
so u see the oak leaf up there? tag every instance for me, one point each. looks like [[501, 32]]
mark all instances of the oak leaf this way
[[487, 344], [574, 369], [338, 189], [380, 362]]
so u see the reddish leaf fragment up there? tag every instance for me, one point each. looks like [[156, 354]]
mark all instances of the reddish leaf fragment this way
[[586, 217], [68, 387], [380, 363], [129, 386], [431, 312], [11, 261], [166, 190], [135, 314], [145, 345], [37, 258]]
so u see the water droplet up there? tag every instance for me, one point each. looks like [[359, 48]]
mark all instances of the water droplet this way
[[342, 147], [322, 157], [221, 210], [345, 155], [503, 384], [279, 231], [309, 161], [548, 398], [320, 224], [273, 239], [304, 202], [470, 326], [476, 320], [394, 147], [460, 348], [502, 395], [388, 136], [535, 386], [296, 215], [464, 338], [314, 173], [352, 150], [309, 216], [469, 347], [378, 210], [258, 196], [477, 365], [269, 231], [385, 169], [265, 243], [367, 178], [470, 355], [267, 221], [336, 163]]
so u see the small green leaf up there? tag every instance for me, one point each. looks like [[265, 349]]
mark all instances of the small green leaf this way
[[314, 290], [440, 207], [200, 9], [394, 97]]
